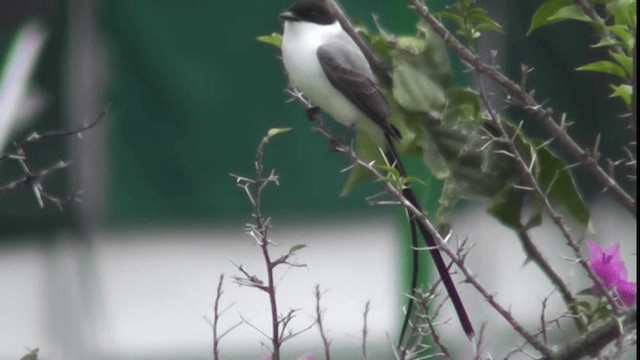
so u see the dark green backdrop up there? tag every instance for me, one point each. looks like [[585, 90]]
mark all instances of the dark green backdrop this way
[[192, 92]]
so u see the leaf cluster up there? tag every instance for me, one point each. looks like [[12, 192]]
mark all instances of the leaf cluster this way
[[470, 19], [447, 127], [554, 178], [615, 21], [592, 307]]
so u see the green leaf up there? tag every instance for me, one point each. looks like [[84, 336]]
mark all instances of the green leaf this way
[[482, 21], [545, 11], [602, 312], [32, 355], [452, 16], [583, 306], [535, 219], [623, 91], [604, 66], [506, 207], [586, 292], [490, 25], [606, 42], [463, 105], [411, 44], [432, 156], [557, 182], [296, 247], [625, 35], [571, 12], [381, 46], [414, 89], [625, 61], [623, 11], [277, 131], [420, 72], [274, 39]]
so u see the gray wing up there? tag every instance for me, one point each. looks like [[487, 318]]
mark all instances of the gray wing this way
[[350, 74]]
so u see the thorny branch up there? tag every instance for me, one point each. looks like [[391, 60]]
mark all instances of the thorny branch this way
[[526, 100], [426, 313], [600, 336], [536, 256], [38, 137], [259, 231], [396, 193], [365, 328], [424, 326], [35, 179], [597, 338], [217, 313], [326, 343], [532, 183]]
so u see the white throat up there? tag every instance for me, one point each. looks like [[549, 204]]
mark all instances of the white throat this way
[[304, 33]]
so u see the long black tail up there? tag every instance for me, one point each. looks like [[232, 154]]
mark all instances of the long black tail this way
[[394, 159]]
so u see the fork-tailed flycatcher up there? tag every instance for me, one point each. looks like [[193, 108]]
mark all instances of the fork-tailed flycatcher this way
[[324, 62]]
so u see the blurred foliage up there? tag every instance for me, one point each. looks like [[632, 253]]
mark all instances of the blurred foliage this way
[[192, 79], [469, 19], [617, 29], [446, 126], [32, 355]]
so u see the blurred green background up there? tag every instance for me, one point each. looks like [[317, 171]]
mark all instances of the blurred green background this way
[[191, 94]]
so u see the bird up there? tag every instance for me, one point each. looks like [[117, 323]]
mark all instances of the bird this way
[[327, 66]]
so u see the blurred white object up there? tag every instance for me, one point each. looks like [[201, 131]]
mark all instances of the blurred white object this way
[[18, 103]]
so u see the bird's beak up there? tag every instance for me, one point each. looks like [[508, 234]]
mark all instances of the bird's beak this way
[[288, 16]]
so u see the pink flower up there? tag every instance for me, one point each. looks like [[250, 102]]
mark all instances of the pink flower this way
[[627, 291], [608, 265]]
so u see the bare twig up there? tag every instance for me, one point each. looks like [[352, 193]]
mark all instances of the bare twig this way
[[438, 341], [480, 342], [536, 256], [285, 331], [543, 322], [326, 343], [40, 136], [365, 328], [217, 313], [423, 326], [34, 179]]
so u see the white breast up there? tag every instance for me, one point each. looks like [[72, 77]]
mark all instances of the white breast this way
[[299, 45]]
